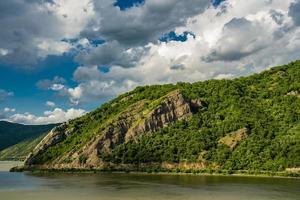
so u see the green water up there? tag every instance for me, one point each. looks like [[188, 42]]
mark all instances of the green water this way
[[25, 186]]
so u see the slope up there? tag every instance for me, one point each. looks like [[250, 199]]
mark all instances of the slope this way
[[20, 151], [13, 133]]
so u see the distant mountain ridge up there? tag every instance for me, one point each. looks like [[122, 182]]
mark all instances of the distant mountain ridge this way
[[248, 123], [19, 151], [13, 133]]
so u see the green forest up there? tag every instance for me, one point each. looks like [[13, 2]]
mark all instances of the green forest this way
[[259, 102]]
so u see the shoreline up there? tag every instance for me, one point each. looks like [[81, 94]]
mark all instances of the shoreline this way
[[204, 172]]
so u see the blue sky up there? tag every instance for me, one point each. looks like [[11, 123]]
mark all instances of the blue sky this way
[[91, 51], [123, 5], [23, 82]]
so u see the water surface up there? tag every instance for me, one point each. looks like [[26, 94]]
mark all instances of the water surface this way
[[26, 186]]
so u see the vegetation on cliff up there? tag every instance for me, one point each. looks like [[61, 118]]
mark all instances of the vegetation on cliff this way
[[266, 106]]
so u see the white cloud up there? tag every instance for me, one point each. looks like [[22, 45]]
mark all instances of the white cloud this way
[[57, 87], [238, 38], [50, 104], [143, 24], [52, 47], [57, 115], [4, 94], [33, 29], [74, 15], [75, 93], [47, 84], [4, 52], [112, 53], [8, 110]]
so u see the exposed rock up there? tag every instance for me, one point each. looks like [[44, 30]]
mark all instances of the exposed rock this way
[[173, 107], [133, 124], [281, 74], [294, 93], [294, 169], [197, 104], [127, 97], [233, 139], [184, 165], [138, 119], [56, 135]]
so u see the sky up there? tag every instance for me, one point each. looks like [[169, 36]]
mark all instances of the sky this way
[[60, 59]]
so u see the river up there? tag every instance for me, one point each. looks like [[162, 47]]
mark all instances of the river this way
[[113, 186]]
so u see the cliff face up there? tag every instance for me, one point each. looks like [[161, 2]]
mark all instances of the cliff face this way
[[56, 135], [141, 118], [173, 108]]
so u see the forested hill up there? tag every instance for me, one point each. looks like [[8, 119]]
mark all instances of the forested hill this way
[[13, 133], [248, 123]]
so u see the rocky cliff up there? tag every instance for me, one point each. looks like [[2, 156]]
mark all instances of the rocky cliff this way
[[139, 119], [56, 135]]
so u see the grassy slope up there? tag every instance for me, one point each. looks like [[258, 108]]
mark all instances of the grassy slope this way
[[258, 102], [12, 133], [18, 152]]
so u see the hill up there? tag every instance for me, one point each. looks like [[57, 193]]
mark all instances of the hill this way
[[248, 123], [21, 150], [13, 133]]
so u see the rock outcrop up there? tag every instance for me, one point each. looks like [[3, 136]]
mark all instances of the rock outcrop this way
[[131, 125], [56, 135], [234, 138], [173, 107], [140, 118], [294, 93]]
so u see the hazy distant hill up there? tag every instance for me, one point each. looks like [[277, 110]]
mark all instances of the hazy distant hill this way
[[13, 133], [20, 150], [248, 123]]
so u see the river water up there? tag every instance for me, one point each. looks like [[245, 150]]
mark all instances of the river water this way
[[26, 186]]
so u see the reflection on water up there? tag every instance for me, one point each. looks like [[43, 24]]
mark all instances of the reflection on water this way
[[26, 186]]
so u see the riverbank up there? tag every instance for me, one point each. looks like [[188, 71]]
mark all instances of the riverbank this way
[[178, 171]]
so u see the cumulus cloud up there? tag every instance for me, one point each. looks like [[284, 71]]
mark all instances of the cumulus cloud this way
[[9, 110], [126, 32], [2, 116], [240, 38], [237, 38], [50, 104], [33, 29], [112, 54], [277, 16], [57, 115], [142, 24], [54, 84], [6, 112], [4, 94], [57, 84], [229, 40], [3, 52], [294, 12]]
